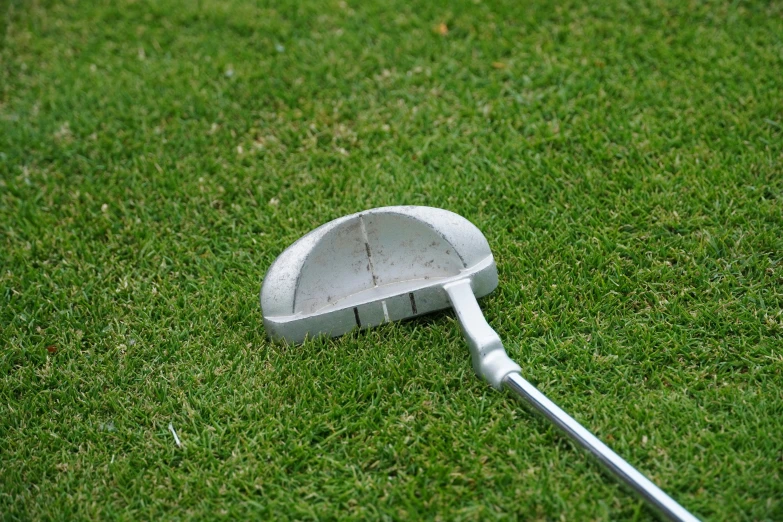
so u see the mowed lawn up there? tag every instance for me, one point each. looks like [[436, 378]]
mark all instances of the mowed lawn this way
[[623, 158]]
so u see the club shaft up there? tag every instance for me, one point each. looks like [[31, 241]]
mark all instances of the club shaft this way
[[651, 493]]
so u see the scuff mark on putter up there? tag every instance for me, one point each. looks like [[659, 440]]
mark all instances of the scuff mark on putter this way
[[394, 263]]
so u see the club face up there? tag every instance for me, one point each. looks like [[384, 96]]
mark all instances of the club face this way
[[365, 269]]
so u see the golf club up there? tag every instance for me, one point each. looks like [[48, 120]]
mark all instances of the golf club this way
[[393, 263]]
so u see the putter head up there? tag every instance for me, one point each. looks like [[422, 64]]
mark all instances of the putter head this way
[[381, 265]]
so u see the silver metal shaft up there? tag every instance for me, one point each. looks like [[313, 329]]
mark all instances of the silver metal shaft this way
[[492, 363], [654, 495]]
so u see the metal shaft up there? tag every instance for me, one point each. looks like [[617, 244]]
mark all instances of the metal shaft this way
[[654, 495]]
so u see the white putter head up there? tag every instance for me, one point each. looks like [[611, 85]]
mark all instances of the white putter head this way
[[383, 265], [394, 263]]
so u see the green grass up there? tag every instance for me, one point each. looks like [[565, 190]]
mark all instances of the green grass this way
[[625, 161]]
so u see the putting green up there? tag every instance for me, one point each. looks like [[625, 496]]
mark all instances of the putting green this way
[[624, 161]]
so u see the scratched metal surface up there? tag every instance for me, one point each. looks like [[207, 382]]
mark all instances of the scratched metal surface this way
[[376, 266]]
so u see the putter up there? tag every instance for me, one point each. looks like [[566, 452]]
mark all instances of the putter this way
[[393, 263]]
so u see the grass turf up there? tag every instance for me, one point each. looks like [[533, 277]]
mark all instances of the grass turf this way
[[623, 159]]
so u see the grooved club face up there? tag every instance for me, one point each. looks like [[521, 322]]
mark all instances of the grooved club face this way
[[376, 266]]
